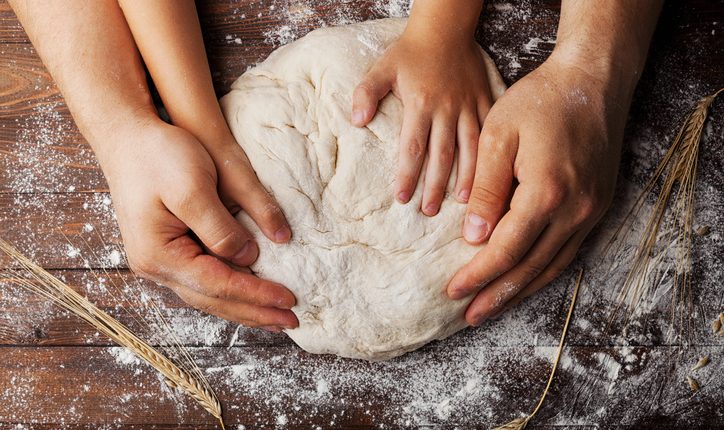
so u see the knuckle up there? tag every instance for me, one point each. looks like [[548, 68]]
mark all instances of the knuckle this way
[[204, 307], [446, 155], [553, 272], [186, 201], [363, 90], [553, 196], [504, 259], [482, 196], [225, 241], [414, 148], [422, 101], [469, 138], [492, 139], [585, 210], [531, 270], [220, 290], [271, 213]]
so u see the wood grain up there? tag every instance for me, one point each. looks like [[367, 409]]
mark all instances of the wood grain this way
[[56, 372]]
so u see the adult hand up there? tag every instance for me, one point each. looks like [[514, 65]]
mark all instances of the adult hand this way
[[557, 133], [164, 187]]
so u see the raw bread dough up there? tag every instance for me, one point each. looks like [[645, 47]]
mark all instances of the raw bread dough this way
[[368, 273]]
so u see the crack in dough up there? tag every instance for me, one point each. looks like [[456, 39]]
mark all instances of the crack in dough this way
[[368, 273]]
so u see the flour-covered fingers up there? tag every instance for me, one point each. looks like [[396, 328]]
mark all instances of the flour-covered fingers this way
[[440, 161], [555, 268], [413, 143], [468, 133], [244, 313], [492, 299], [513, 237]]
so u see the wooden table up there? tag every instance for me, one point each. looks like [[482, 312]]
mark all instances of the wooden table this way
[[56, 372]]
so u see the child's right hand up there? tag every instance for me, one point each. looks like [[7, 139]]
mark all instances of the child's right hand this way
[[438, 72], [164, 186]]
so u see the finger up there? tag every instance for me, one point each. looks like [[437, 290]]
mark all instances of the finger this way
[[468, 134], [484, 105], [251, 195], [516, 233], [441, 154], [555, 268], [243, 313], [183, 263], [492, 299], [367, 95], [203, 212], [493, 181], [413, 141]]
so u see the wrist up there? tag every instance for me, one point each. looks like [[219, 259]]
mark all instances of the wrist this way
[[444, 21], [617, 73], [117, 139]]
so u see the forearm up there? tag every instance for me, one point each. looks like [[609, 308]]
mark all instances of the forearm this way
[[445, 21], [89, 51], [608, 38], [168, 34]]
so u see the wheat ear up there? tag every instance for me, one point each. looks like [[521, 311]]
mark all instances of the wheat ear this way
[[50, 287], [678, 168], [521, 423]]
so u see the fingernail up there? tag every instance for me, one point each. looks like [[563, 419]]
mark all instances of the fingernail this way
[[475, 228], [403, 196], [283, 303], [464, 195], [457, 293], [271, 329], [358, 116], [283, 234], [479, 320], [431, 209], [242, 257]]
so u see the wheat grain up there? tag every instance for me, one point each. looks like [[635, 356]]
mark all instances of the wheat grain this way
[[715, 326], [678, 170], [52, 288], [703, 361], [692, 384]]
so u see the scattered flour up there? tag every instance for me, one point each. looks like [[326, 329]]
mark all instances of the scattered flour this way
[[444, 384]]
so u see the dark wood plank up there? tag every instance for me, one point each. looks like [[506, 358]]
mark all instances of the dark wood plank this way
[[51, 186], [263, 387], [61, 230]]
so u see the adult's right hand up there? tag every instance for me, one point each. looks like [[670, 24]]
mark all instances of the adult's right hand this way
[[164, 187]]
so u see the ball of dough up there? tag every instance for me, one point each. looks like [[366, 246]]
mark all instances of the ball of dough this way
[[368, 272]]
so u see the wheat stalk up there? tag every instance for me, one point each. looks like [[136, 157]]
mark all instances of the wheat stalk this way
[[678, 169], [52, 288], [521, 423]]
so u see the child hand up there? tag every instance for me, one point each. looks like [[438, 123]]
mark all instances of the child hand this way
[[164, 186], [443, 87]]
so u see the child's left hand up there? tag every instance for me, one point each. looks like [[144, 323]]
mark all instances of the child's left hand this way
[[440, 79]]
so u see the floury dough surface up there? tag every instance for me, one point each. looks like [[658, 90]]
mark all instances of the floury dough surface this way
[[368, 272]]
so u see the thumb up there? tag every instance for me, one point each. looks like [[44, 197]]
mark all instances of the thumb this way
[[373, 88], [491, 186], [203, 212]]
